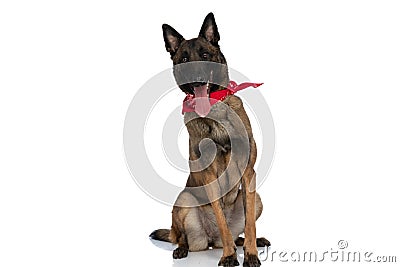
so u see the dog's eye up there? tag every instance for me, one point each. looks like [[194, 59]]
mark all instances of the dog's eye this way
[[185, 59], [205, 55]]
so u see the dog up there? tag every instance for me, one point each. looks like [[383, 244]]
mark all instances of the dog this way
[[222, 153]]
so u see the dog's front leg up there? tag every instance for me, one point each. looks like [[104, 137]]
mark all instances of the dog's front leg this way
[[229, 257], [249, 203]]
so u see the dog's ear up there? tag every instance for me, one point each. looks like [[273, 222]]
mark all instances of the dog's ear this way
[[209, 30], [172, 39]]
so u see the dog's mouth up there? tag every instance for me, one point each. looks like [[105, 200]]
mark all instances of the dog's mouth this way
[[200, 80], [202, 104]]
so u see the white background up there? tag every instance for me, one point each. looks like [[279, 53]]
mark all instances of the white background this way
[[69, 69]]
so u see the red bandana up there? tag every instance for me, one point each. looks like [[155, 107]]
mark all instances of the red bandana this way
[[189, 104]]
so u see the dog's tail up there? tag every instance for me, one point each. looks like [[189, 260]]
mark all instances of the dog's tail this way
[[161, 235]]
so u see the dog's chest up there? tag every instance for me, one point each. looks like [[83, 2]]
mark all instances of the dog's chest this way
[[208, 128], [219, 125]]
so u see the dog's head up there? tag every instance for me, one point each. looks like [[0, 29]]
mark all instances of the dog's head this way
[[199, 65]]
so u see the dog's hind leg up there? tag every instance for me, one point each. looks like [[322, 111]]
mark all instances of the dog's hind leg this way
[[196, 235], [182, 250], [187, 229]]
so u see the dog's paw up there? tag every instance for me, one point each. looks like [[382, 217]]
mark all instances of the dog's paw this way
[[251, 261], [180, 253], [263, 242], [229, 261]]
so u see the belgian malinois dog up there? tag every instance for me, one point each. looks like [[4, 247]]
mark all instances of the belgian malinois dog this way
[[222, 153]]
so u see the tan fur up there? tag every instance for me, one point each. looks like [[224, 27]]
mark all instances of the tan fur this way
[[222, 155], [220, 223]]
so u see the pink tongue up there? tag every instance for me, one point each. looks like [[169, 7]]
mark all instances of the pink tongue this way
[[202, 107]]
